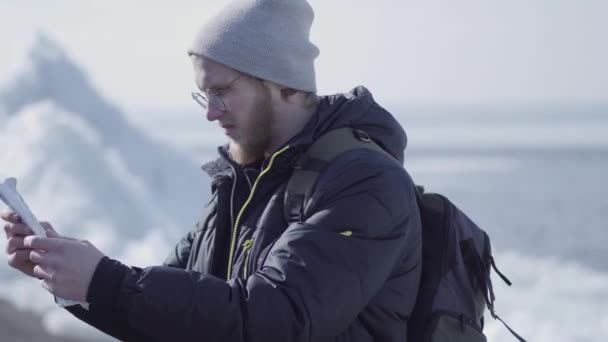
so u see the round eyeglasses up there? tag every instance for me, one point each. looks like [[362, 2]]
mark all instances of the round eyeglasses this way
[[213, 97]]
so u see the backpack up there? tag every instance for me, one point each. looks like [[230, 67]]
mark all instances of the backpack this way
[[455, 285]]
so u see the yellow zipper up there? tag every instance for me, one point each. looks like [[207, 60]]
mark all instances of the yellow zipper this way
[[247, 249], [238, 218]]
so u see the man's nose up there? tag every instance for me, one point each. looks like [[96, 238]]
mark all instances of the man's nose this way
[[213, 113]]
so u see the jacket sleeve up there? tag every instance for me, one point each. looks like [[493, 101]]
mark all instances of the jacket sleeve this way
[[319, 275], [106, 320], [98, 316]]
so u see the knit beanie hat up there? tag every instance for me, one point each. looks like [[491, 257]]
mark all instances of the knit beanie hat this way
[[268, 39]]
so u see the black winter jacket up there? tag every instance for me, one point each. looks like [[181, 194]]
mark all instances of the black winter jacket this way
[[348, 272]]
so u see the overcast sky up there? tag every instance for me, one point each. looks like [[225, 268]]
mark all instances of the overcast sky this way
[[441, 52]]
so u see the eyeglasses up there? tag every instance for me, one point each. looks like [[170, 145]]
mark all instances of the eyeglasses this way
[[213, 97]]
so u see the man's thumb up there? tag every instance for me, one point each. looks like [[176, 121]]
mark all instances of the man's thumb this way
[[50, 232]]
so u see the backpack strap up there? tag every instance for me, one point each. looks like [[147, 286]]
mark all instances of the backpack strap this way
[[487, 284], [310, 164]]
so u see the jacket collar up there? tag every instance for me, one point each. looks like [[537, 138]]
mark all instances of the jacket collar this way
[[356, 109]]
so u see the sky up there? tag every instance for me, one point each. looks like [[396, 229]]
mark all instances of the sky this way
[[407, 52]]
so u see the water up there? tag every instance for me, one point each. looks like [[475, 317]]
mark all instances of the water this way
[[539, 203]]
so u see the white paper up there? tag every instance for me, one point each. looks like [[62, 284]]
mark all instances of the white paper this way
[[12, 198]]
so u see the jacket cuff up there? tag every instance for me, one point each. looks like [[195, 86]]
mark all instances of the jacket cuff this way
[[106, 283]]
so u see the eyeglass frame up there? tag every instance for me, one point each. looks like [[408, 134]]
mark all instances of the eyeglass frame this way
[[204, 98]]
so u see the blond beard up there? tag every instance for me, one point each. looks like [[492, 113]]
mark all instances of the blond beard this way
[[243, 156]]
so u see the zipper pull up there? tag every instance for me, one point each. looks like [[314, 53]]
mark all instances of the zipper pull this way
[[247, 250], [247, 244]]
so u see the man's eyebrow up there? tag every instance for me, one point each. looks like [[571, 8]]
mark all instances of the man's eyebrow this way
[[211, 85], [225, 83], [205, 84]]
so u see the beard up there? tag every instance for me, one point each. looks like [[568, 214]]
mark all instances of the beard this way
[[256, 136]]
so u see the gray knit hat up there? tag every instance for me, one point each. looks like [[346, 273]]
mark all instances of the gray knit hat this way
[[268, 39]]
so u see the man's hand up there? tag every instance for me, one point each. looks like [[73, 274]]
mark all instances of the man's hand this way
[[65, 266], [16, 231]]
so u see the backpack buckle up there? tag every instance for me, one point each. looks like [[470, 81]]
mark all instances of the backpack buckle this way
[[362, 136], [295, 208]]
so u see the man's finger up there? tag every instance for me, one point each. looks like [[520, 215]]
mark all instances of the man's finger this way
[[10, 216], [48, 286], [43, 259], [17, 229], [40, 273], [50, 231], [5, 213], [17, 258], [14, 244], [47, 244]]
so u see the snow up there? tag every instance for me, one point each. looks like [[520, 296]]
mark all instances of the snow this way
[[83, 167]]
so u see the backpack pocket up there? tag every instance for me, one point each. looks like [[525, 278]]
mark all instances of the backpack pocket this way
[[448, 327]]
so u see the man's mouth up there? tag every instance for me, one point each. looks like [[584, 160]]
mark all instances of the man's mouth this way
[[228, 128]]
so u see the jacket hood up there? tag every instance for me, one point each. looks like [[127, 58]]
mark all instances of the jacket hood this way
[[356, 109]]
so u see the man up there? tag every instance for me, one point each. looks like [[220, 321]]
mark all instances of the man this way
[[348, 270]]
